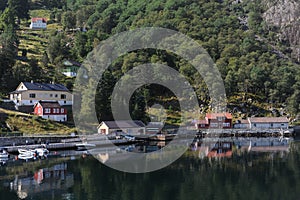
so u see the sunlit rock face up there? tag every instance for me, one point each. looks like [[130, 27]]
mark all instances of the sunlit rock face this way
[[285, 15]]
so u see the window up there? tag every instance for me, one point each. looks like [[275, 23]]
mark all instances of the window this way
[[63, 96], [30, 101], [214, 125], [226, 145], [31, 95], [254, 125], [47, 110], [51, 95], [55, 110], [220, 119], [65, 102], [226, 124], [56, 95], [62, 110], [271, 124]]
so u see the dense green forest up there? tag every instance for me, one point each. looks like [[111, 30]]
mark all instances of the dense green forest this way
[[261, 78]]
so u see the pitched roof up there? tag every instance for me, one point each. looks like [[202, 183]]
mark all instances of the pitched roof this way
[[71, 63], [35, 19], [268, 120], [124, 124], [45, 86], [215, 115], [48, 104]]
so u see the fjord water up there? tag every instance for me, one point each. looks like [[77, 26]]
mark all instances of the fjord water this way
[[265, 174]]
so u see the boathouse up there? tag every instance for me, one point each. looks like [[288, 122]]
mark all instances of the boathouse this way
[[216, 121], [50, 110], [135, 127], [268, 122]]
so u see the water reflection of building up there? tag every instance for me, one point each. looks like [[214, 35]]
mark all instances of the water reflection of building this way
[[219, 148], [215, 149], [264, 144], [43, 181]]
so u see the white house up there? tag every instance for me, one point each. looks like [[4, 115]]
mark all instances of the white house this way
[[38, 23], [29, 93], [135, 127], [268, 122]]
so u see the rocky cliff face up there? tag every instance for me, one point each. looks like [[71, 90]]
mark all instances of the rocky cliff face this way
[[285, 15]]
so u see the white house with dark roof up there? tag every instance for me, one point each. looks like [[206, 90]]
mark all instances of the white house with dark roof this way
[[135, 127], [29, 93], [70, 68], [268, 122]]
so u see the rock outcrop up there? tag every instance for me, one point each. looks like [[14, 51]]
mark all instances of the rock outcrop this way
[[285, 15]]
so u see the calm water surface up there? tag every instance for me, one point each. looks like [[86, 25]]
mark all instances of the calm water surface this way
[[259, 172]]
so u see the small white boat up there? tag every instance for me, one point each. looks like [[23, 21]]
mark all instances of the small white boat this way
[[3, 153], [85, 146], [26, 156], [32, 153], [41, 152], [26, 152]]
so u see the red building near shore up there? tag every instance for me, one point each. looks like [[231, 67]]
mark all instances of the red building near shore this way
[[216, 121], [50, 110]]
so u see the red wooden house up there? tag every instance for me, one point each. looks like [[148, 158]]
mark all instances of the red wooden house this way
[[215, 120], [50, 110]]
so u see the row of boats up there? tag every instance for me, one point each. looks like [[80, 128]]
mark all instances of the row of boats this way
[[26, 154]]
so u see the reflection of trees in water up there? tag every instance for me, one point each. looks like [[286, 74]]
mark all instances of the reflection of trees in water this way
[[244, 176]]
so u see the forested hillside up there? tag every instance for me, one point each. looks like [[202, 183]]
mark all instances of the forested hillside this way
[[259, 66]]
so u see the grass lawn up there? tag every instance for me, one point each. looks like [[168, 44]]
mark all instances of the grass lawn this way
[[31, 124]]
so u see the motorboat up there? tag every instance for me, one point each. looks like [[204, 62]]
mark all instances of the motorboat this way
[[33, 153], [26, 156], [41, 152]]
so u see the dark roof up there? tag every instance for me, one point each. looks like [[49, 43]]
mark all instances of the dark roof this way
[[45, 86], [269, 120], [48, 104], [74, 63], [124, 124]]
